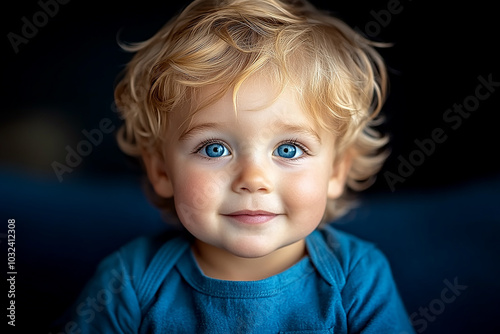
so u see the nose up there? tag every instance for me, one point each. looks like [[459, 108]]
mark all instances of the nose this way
[[251, 178]]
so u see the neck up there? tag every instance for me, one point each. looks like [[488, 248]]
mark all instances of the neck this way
[[220, 264]]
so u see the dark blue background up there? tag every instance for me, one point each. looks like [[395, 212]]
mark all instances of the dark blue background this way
[[441, 223]]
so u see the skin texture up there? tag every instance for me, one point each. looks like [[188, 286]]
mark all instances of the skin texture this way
[[275, 163]]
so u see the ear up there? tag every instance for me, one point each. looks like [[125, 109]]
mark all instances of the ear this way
[[338, 178], [157, 174]]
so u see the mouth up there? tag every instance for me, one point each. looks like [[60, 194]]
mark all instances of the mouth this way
[[252, 217]]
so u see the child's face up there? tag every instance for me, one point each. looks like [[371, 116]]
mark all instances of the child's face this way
[[252, 182]]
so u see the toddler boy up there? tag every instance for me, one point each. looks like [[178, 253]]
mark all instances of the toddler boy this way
[[253, 120]]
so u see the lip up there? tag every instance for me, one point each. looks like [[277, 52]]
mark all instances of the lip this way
[[252, 217]]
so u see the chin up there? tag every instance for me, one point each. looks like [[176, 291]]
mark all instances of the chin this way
[[249, 254], [250, 249]]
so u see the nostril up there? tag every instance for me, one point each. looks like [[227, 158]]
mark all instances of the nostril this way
[[252, 177], [252, 185]]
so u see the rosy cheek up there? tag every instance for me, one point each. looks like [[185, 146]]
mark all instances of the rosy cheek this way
[[189, 200], [196, 189], [189, 190], [306, 192]]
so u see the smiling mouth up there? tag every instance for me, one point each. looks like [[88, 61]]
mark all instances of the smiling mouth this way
[[252, 217]]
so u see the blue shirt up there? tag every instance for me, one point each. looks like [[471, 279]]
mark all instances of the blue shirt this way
[[343, 285]]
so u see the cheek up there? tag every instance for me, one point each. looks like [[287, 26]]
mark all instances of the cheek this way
[[191, 189], [196, 191], [306, 193]]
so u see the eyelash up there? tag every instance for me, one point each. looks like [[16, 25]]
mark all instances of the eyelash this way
[[218, 141], [294, 142], [208, 142]]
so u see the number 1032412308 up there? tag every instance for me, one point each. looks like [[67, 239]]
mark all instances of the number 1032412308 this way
[[11, 271]]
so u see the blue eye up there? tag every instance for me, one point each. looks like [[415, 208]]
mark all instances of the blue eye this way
[[214, 150], [288, 151]]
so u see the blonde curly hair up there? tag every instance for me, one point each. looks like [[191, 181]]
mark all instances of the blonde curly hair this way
[[339, 76]]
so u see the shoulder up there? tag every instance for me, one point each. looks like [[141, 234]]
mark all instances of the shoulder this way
[[143, 249], [121, 282], [349, 249], [136, 256], [368, 291], [340, 255]]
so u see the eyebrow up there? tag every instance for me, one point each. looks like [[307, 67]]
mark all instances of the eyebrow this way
[[198, 129], [300, 129], [282, 127]]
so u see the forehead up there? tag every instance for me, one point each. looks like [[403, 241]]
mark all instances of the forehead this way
[[256, 95]]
